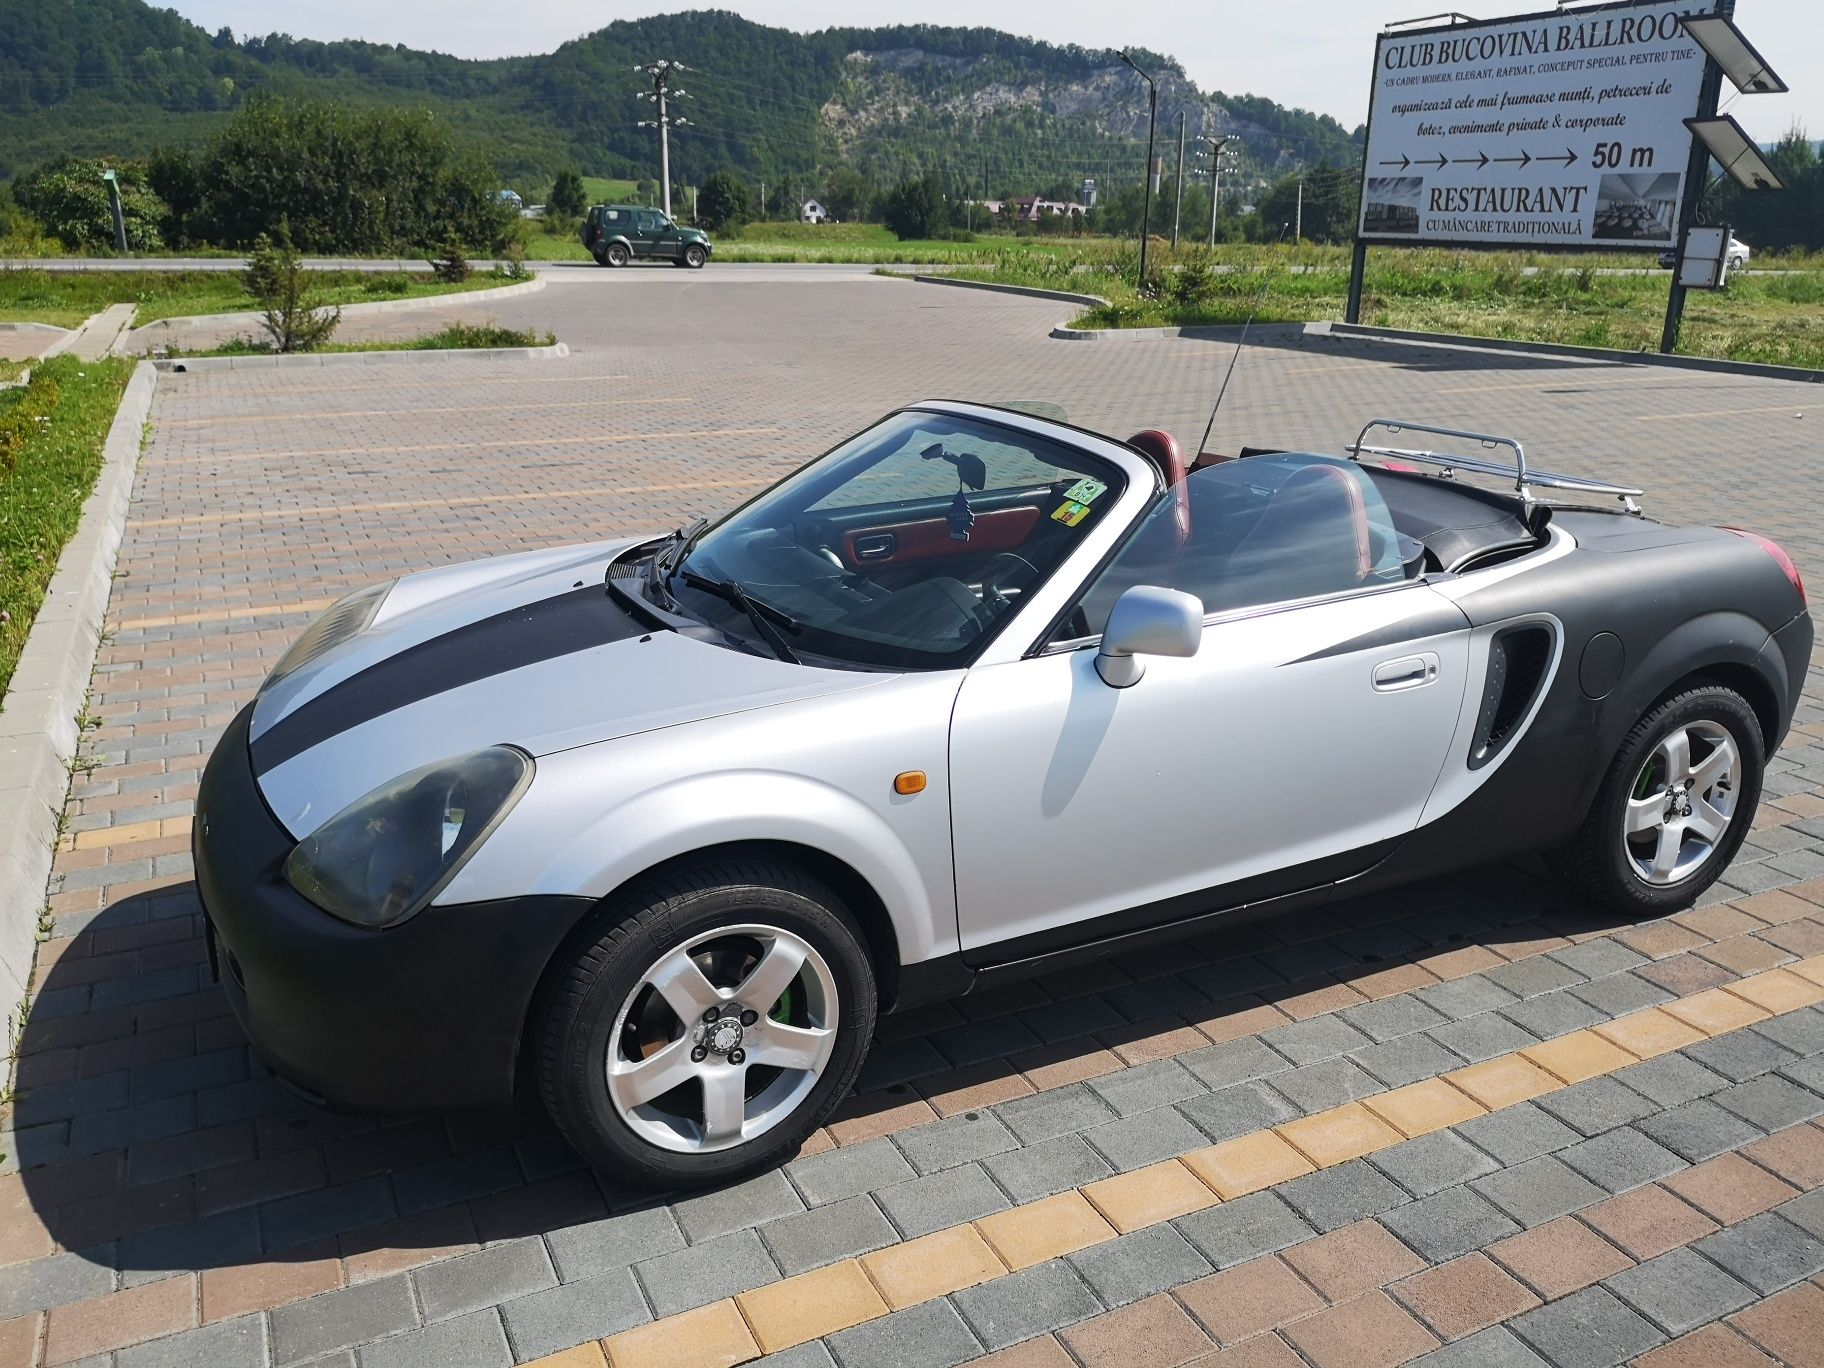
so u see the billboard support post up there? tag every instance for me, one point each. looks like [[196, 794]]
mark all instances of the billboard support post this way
[[1358, 267], [1696, 171]]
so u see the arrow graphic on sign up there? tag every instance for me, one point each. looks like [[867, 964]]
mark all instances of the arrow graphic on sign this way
[[1440, 163], [1524, 160], [1569, 158], [1477, 162], [1404, 163]]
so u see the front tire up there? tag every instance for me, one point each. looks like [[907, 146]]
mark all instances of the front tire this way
[[695, 257], [708, 1024], [1674, 808]]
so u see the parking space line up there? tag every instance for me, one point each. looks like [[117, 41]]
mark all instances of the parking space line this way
[[592, 439], [329, 510], [519, 408]]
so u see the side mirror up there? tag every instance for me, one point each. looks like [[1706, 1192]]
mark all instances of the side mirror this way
[[1147, 620]]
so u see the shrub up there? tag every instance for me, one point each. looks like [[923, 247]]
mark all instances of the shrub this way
[[513, 266], [452, 265], [723, 201], [290, 314], [393, 284], [69, 197], [482, 335], [915, 208]]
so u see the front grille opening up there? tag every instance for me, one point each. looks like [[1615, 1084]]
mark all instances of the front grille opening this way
[[1517, 661]]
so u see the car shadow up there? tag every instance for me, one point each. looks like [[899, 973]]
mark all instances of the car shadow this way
[[150, 1140]]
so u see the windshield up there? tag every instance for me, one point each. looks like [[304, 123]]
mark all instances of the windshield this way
[[904, 548]]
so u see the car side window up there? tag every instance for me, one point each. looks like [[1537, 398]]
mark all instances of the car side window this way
[[1255, 532]]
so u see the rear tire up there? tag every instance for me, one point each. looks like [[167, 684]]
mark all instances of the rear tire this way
[[718, 1087], [617, 254], [1673, 809]]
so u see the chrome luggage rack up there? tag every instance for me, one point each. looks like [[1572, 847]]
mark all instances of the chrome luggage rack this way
[[1525, 481]]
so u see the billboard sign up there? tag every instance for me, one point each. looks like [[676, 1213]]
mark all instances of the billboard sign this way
[[1544, 130]]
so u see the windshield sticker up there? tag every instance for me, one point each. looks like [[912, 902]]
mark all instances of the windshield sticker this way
[[1071, 513], [1086, 491]]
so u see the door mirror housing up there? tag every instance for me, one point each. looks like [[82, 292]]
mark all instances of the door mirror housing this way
[[1147, 620]]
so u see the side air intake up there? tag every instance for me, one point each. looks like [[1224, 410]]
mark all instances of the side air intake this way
[[1517, 661]]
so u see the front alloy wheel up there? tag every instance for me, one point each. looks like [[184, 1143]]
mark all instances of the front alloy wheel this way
[[723, 1038], [695, 256], [701, 1025]]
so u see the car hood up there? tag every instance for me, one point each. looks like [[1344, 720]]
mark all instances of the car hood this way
[[528, 650]]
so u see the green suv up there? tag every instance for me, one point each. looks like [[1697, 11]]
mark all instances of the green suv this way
[[617, 233]]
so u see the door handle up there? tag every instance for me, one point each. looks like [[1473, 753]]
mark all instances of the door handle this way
[[875, 546], [1408, 672]]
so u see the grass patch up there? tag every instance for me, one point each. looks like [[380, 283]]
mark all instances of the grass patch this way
[[456, 337], [605, 190], [1530, 297], [12, 370], [51, 435], [65, 298]]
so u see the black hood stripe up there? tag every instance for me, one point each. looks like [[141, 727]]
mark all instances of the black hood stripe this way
[[577, 620]]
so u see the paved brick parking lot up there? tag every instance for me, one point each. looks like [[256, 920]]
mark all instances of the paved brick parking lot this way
[[1239, 1148]]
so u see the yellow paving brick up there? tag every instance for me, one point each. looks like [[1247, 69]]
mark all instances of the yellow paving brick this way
[[810, 1306], [124, 834], [1046, 1229], [1149, 1195], [1812, 968], [588, 1355], [1339, 1135], [1421, 1108], [174, 826], [1579, 1056], [713, 1336], [1649, 1033], [932, 1266], [1503, 1081], [1247, 1164], [1715, 1012], [1777, 991]]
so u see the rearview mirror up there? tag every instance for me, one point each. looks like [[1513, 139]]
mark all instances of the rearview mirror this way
[[1147, 620]]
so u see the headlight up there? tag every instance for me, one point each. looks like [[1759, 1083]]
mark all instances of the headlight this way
[[344, 618], [384, 856]]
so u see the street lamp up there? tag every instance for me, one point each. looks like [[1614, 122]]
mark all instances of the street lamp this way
[[120, 218], [1146, 206]]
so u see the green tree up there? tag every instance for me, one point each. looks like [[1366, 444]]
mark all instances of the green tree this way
[[724, 201], [293, 318], [70, 199], [846, 194], [1330, 212], [567, 195], [915, 208]]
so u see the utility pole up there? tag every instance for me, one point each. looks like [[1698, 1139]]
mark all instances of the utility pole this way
[[1178, 203], [1215, 154], [661, 73], [1298, 231], [1146, 204], [763, 201]]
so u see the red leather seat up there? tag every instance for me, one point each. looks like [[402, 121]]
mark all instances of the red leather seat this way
[[1162, 449]]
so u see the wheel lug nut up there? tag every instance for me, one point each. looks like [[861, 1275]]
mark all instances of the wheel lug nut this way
[[737, 1056], [749, 1017], [698, 1055]]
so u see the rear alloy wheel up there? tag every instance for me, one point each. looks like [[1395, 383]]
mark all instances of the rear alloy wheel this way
[[707, 1032], [695, 257], [1674, 808], [617, 254]]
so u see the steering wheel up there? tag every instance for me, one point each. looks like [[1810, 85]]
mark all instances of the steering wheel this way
[[991, 578]]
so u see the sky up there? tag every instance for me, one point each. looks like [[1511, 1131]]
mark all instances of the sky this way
[[1314, 54]]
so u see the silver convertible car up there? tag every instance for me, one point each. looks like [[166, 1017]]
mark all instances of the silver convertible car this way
[[655, 828]]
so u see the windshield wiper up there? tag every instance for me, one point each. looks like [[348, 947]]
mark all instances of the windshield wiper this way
[[672, 553], [763, 615]]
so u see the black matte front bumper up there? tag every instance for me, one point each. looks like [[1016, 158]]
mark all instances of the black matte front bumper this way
[[424, 1016]]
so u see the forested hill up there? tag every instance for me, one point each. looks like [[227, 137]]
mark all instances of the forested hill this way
[[118, 77]]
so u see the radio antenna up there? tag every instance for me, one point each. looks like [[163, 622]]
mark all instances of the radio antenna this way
[[1240, 343]]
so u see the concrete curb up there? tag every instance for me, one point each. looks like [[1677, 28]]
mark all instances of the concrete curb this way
[[1087, 301], [140, 340], [1202, 332], [185, 365], [38, 732], [1602, 354]]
